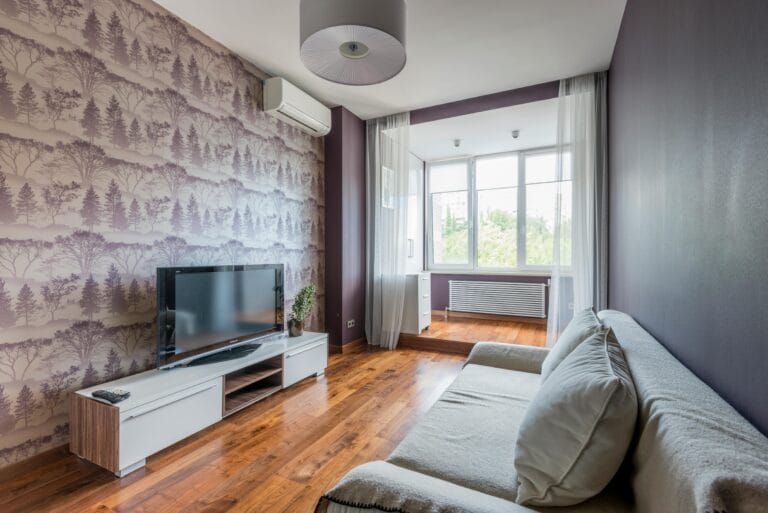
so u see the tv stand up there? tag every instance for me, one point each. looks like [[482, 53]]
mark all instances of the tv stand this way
[[166, 406], [226, 355]]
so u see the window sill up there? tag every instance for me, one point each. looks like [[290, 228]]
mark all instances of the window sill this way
[[535, 274]]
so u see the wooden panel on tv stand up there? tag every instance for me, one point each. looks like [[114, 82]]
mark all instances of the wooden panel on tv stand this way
[[94, 431]]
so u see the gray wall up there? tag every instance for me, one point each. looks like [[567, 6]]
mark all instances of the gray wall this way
[[688, 117], [492, 101], [345, 227]]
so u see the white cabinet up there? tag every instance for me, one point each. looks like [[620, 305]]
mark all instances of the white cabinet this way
[[305, 361], [414, 262], [417, 310], [159, 424]]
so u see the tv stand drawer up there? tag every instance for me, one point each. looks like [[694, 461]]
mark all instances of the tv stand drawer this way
[[304, 361], [154, 426]]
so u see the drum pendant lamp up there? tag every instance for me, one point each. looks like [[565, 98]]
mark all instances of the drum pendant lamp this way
[[353, 42]]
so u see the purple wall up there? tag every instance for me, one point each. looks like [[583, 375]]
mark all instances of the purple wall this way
[[333, 237], [440, 284], [345, 227], [688, 120], [509, 98]]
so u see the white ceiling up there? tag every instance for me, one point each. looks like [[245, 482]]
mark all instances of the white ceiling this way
[[488, 132], [457, 49]]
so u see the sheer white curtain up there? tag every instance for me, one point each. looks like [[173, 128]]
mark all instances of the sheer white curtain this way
[[579, 275], [387, 214]]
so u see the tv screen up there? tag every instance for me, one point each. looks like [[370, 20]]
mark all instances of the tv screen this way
[[205, 309]]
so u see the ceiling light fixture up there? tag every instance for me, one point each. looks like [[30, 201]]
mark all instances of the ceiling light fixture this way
[[353, 42]]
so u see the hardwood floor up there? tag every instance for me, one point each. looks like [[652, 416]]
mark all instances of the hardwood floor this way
[[474, 330], [276, 456], [459, 335]]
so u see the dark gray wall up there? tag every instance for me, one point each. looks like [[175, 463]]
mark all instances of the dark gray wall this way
[[345, 227], [498, 100], [688, 117]]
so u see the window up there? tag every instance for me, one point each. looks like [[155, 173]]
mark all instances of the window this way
[[497, 212], [497, 191], [449, 213], [541, 188]]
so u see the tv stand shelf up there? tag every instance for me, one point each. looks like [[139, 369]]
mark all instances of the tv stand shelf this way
[[236, 381], [247, 396], [252, 384], [166, 406]]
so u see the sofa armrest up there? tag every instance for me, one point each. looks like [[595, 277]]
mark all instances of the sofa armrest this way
[[508, 356]]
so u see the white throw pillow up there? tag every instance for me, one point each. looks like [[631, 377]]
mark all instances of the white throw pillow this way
[[576, 431], [583, 325]]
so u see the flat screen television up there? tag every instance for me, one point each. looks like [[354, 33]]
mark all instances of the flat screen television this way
[[204, 310]]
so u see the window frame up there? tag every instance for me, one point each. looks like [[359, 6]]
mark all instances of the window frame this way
[[429, 209], [473, 215]]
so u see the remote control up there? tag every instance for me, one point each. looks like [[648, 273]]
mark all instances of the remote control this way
[[113, 395]]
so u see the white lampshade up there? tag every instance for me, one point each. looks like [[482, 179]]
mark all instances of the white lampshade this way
[[354, 42]]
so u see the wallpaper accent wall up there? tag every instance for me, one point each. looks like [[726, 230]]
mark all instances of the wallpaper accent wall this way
[[128, 141]]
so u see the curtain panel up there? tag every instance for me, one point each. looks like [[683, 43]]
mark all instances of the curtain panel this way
[[579, 276], [387, 148]]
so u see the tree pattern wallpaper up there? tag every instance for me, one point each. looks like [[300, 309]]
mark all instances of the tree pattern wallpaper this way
[[128, 141]]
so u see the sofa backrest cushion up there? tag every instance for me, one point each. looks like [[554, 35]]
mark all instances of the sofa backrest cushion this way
[[576, 431], [692, 452], [583, 325]]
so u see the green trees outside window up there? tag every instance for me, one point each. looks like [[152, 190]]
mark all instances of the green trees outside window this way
[[513, 226]]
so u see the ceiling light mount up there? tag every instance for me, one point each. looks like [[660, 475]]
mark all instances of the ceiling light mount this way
[[354, 50], [354, 42]]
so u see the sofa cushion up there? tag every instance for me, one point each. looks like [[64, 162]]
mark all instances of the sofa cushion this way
[[373, 489], [380, 486], [693, 451], [468, 436], [576, 431], [583, 325]]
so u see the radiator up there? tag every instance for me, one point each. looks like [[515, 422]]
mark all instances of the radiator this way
[[499, 298]]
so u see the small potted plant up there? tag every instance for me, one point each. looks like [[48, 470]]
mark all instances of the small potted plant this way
[[302, 307]]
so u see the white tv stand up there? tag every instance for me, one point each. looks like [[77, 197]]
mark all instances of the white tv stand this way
[[166, 406]]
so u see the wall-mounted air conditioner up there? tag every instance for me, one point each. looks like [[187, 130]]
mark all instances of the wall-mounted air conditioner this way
[[287, 102]]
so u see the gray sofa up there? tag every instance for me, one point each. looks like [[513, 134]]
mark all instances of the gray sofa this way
[[692, 451]]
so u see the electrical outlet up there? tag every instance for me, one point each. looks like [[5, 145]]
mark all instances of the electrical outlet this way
[[351, 323]]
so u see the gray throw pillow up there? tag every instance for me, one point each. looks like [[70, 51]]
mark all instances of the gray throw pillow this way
[[583, 325], [577, 429]]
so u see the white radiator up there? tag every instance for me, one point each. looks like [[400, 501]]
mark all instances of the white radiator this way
[[500, 298]]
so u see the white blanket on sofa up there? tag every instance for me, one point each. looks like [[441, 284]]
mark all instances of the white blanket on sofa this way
[[693, 453]]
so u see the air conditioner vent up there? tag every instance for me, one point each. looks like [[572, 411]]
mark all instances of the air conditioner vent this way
[[288, 103]]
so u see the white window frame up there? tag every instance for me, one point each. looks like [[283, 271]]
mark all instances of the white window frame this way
[[473, 214], [428, 217]]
